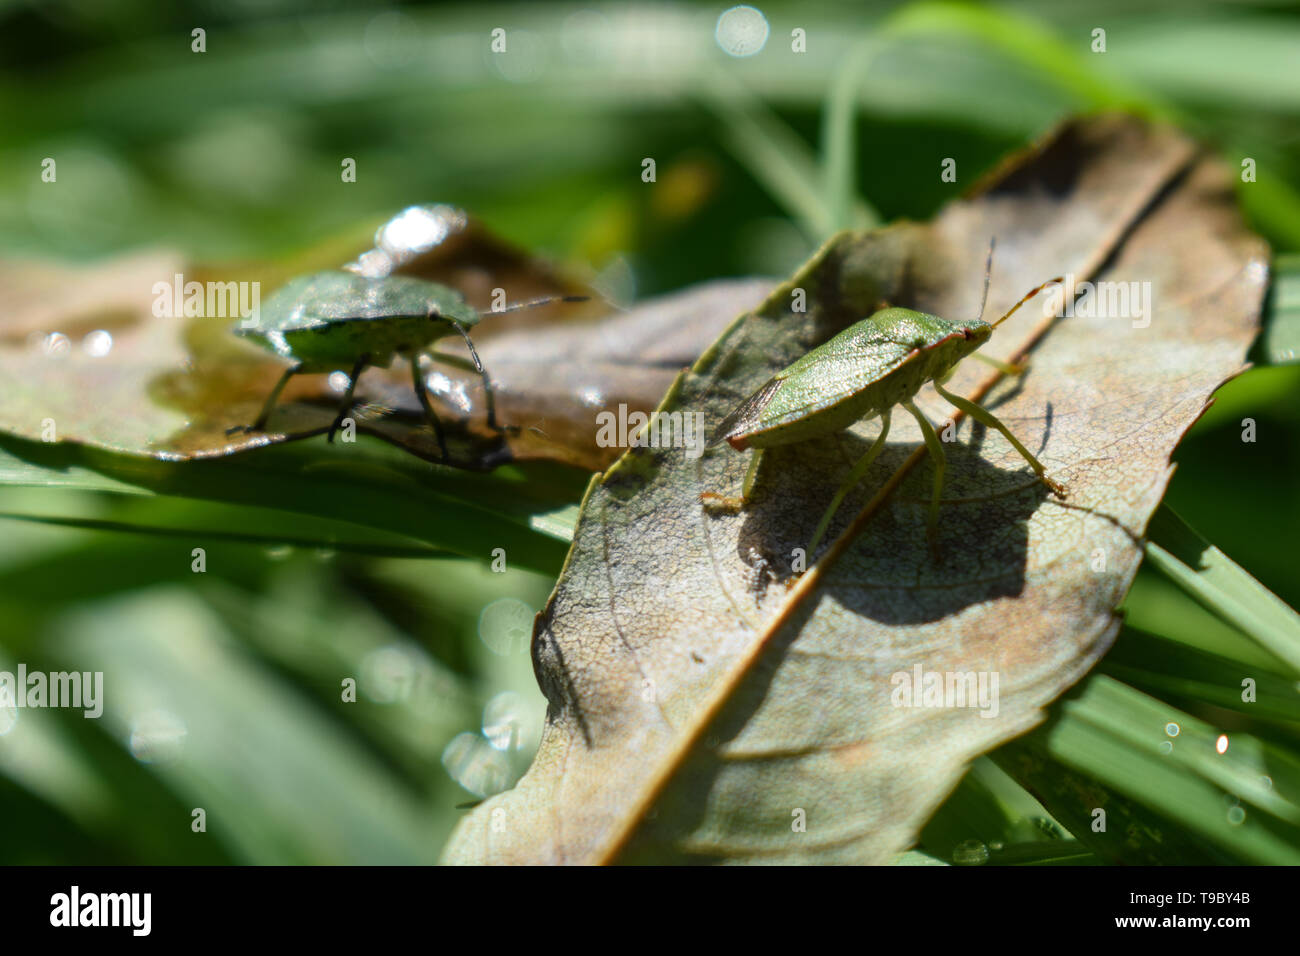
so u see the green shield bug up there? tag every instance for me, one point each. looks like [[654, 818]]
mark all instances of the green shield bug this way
[[862, 373], [337, 319]]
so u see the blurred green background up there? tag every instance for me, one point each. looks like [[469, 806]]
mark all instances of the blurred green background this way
[[225, 685]]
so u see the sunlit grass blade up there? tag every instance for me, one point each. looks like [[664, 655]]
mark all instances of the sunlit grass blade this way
[[1029, 42], [1181, 799], [199, 536], [1218, 583], [1280, 341], [1177, 671], [990, 818], [368, 485], [839, 139], [774, 154]]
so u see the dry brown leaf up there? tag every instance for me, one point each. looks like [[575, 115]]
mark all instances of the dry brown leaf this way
[[699, 708], [171, 387]]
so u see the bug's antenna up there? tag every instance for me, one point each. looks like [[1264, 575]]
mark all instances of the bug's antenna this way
[[988, 271], [533, 303], [1032, 292]]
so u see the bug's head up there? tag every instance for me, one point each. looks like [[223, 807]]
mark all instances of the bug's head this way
[[975, 331], [447, 305], [972, 334]]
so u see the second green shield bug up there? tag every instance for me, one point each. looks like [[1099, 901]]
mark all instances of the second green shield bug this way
[[863, 373], [334, 320]]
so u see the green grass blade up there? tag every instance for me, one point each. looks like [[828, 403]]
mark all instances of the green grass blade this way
[[200, 535], [369, 486], [1181, 801], [839, 139], [774, 154], [1223, 587], [1194, 677], [1280, 342]]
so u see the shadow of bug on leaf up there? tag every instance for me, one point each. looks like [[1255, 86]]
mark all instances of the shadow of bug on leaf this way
[[983, 539]]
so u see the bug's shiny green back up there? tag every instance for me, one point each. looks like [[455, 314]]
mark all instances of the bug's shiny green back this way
[[868, 368], [328, 320]]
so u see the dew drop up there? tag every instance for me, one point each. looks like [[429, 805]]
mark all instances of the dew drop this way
[[388, 674], [453, 393], [97, 344], [8, 714], [57, 345], [476, 765], [506, 626], [418, 228], [504, 721], [741, 31], [374, 264], [157, 737], [970, 853]]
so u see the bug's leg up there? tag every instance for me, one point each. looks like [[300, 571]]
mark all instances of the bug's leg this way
[[940, 466], [267, 406], [418, 381], [751, 474], [851, 481], [731, 502], [346, 406], [987, 418], [1006, 368], [487, 383]]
